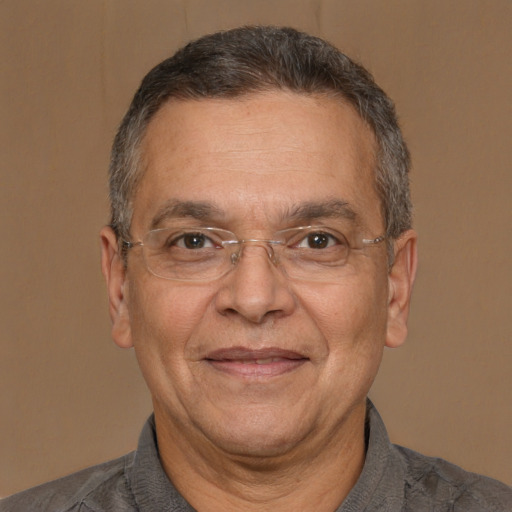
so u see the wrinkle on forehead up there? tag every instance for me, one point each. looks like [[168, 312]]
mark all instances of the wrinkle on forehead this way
[[250, 107], [262, 157]]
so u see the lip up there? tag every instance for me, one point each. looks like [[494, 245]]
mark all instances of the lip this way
[[265, 362]]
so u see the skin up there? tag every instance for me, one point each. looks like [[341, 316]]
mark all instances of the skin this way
[[236, 436]]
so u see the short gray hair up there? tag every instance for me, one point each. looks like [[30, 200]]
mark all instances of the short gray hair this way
[[249, 60]]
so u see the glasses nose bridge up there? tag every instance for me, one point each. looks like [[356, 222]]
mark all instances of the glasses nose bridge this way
[[267, 244]]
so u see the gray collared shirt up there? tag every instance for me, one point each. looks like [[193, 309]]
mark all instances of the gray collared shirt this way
[[394, 479]]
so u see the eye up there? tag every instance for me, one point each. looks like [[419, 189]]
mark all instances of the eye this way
[[193, 241], [318, 240]]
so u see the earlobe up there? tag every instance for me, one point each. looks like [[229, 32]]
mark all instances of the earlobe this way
[[401, 279], [114, 272]]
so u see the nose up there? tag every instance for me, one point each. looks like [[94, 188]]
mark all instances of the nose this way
[[266, 244], [255, 289]]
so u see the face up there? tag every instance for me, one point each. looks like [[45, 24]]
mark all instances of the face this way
[[255, 363]]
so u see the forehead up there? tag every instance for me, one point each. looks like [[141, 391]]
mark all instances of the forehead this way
[[257, 156]]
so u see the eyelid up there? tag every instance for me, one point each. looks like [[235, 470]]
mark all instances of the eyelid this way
[[313, 229], [170, 236]]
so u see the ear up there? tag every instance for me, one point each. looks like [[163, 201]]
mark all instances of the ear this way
[[401, 279], [114, 271]]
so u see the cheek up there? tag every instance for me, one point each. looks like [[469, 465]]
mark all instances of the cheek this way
[[164, 315], [352, 319], [353, 313]]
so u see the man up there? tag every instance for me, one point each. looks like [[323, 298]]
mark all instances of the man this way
[[259, 257]]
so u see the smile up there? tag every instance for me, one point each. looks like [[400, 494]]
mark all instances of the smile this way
[[268, 360], [255, 363]]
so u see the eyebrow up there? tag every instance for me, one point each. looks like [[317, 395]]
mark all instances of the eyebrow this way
[[333, 208], [206, 211], [173, 208]]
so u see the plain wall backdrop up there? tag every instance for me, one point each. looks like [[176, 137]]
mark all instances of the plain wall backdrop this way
[[68, 397]]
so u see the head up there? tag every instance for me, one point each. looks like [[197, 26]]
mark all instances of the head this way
[[257, 59], [257, 131]]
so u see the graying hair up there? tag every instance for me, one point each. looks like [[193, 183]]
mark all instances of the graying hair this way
[[249, 60]]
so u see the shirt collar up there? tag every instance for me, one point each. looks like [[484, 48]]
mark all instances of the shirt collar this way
[[379, 485], [151, 487]]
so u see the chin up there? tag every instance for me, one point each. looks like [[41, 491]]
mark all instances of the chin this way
[[260, 437], [260, 449]]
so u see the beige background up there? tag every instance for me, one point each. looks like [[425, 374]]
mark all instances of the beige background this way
[[68, 397]]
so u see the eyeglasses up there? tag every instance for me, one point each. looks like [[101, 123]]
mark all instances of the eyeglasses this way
[[309, 253]]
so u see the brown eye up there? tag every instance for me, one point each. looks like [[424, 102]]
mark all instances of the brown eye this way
[[318, 240], [193, 241]]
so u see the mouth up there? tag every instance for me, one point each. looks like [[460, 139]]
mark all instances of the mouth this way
[[268, 362]]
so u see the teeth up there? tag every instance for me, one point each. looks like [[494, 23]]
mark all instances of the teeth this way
[[266, 361]]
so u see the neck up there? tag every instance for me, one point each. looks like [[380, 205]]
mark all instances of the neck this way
[[315, 475]]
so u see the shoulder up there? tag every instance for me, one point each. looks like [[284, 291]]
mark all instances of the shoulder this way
[[434, 481], [101, 487]]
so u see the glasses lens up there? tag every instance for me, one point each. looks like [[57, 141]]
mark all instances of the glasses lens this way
[[186, 254], [312, 253]]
